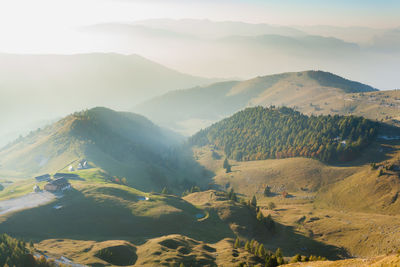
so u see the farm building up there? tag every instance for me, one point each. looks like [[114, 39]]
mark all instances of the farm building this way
[[42, 178], [36, 189], [59, 184], [83, 164]]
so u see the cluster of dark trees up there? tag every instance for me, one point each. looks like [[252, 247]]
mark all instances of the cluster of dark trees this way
[[14, 252], [267, 221], [269, 258], [263, 133], [231, 195], [299, 258], [193, 189]]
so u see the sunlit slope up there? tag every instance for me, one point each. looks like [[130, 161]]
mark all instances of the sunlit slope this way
[[104, 211], [369, 189], [314, 92], [122, 144], [293, 174], [160, 251], [381, 261], [162, 229]]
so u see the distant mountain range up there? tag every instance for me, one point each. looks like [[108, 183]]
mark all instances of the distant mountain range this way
[[312, 92], [44, 87], [237, 49]]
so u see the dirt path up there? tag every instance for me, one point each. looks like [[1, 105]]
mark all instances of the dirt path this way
[[30, 200]]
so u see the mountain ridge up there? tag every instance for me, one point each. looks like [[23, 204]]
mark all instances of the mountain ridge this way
[[211, 103]]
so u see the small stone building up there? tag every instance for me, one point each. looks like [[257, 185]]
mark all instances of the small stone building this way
[[57, 185]]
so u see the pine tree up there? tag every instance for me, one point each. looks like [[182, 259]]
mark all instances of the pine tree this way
[[260, 216], [227, 166], [252, 242], [261, 251], [247, 245], [237, 243], [165, 191], [278, 253], [267, 191], [253, 201], [296, 258], [255, 248], [271, 205], [226, 163], [228, 169], [232, 195]]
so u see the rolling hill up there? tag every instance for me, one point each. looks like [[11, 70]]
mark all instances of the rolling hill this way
[[262, 133], [147, 229], [121, 144], [311, 92]]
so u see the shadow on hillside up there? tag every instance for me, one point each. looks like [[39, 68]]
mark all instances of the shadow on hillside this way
[[175, 169], [107, 216], [293, 242], [380, 150]]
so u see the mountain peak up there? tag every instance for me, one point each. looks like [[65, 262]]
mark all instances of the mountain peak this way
[[329, 79]]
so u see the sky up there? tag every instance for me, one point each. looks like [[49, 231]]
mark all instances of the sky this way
[[66, 13], [28, 26]]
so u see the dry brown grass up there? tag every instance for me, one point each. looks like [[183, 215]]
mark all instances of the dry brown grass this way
[[381, 261], [170, 250]]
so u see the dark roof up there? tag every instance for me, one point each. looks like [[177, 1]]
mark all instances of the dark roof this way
[[65, 175], [59, 181], [43, 176]]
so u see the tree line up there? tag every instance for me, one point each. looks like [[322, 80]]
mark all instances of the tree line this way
[[273, 133], [15, 252]]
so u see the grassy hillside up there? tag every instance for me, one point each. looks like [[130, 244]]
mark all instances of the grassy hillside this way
[[121, 144], [292, 174], [379, 261], [262, 133], [343, 206], [117, 212], [161, 251], [371, 189], [311, 92]]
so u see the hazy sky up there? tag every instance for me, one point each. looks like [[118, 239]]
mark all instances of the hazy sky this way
[[24, 19], [55, 13], [33, 26]]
